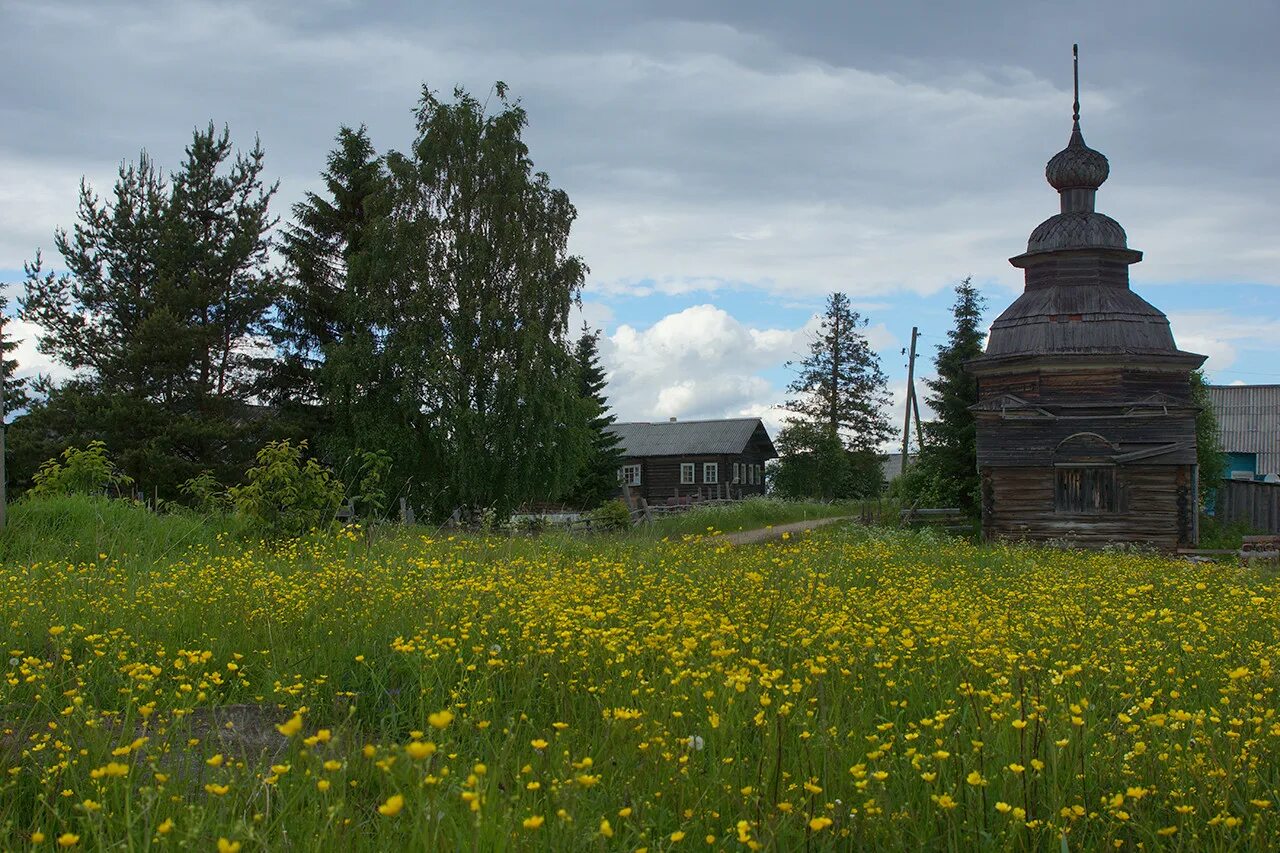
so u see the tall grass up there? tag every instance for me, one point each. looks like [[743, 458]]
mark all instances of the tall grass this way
[[842, 689], [744, 515], [78, 528]]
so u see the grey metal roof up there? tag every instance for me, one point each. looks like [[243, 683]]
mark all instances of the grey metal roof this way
[[1249, 421], [676, 438]]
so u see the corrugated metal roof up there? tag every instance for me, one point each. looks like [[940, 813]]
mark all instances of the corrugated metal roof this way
[[1249, 421], [676, 438]]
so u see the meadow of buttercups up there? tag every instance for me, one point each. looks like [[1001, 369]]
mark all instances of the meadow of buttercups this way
[[841, 689]]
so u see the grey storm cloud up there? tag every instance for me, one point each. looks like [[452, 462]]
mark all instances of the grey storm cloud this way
[[791, 147]]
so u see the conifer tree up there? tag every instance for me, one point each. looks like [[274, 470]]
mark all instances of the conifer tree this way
[[840, 382], [598, 480], [160, 314], [947, 469], [830, 449], [325, 299], [334, 382], [16, 390]]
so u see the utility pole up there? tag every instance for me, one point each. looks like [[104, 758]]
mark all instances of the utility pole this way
[[911, 398]]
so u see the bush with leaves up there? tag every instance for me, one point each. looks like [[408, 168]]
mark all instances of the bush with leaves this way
[[206, 494], [287, 494], [370, 494], [612, 515], [80, 471]]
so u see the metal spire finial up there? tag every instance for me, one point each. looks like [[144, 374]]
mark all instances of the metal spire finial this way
[[1075, 62]]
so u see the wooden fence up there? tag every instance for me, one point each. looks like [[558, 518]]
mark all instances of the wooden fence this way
[[1249, 502]]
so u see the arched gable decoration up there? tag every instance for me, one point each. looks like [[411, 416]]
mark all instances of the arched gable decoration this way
[[1082, 435]]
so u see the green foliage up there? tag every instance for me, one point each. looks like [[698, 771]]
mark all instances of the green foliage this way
[[611, 515], [598, 479], [80, 471], [70, 529], [371, 481], [336, 380], [946, 472], [473, 283], [752, 514], [814, 463], [16, 391], [1214, 534], [829, 449], [206, 494], [840, 383], [167, 289], [287, 495], [1211, 460]]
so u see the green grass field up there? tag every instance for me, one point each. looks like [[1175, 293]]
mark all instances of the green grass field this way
[[169, 683]]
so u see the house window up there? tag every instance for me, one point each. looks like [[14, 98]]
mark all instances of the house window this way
[[755, 475], [1086, 490], [687, 473], [629, 474], [737, 472], [710, 472]]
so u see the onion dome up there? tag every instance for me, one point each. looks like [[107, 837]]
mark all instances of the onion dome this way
[[1077, 166], [1076, 172], [1077, 229]]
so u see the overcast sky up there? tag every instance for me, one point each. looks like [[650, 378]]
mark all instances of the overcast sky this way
[[731, 162]]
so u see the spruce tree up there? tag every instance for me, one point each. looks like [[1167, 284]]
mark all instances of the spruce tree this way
[[840, 382], [947, 468], [598, 480], [334, 382], [325, 296], [16, 390], [160, 313], [475, 282], [830, 449]]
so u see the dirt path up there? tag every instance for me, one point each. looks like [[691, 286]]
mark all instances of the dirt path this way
[[765, 534]]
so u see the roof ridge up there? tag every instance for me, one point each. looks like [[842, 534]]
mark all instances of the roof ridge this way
[[689, 421]]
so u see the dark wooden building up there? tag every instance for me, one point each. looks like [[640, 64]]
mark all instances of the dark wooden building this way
[[1085, 425], [670, 459]]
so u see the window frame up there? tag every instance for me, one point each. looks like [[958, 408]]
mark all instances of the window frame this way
[[714, 468], [692, 468], [623, 472], [1095, 490]]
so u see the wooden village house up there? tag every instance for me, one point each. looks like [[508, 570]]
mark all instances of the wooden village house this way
[[1085, 425], [668, 461]]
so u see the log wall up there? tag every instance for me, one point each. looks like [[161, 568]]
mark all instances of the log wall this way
[[1155, 508]]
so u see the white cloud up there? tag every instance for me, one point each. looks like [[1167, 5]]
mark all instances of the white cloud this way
[[1221, 335], [31, 362], [697, 363], [704, 363]]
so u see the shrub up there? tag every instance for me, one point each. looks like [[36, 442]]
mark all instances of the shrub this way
[[612, 515], [287, 495], [371, 480], [87, 471], [206, 494]]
